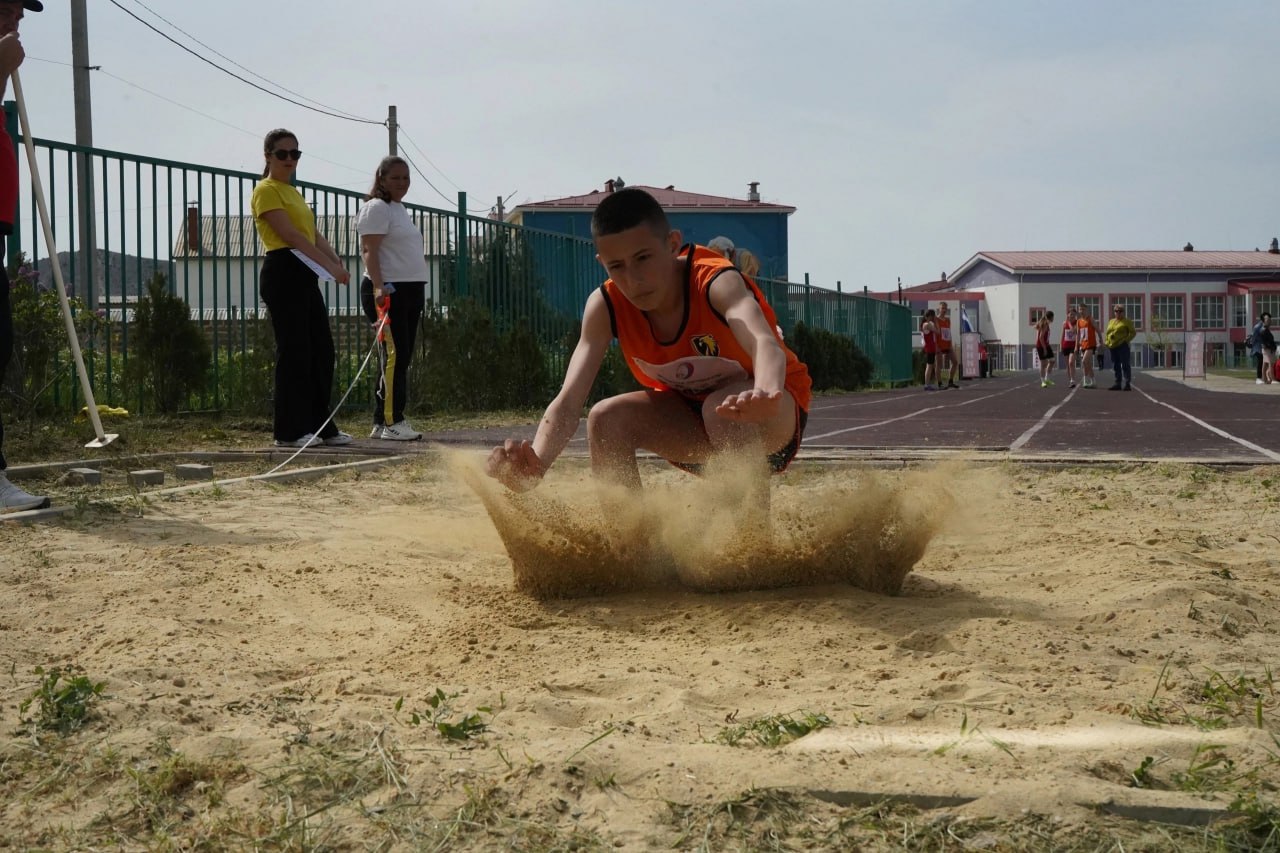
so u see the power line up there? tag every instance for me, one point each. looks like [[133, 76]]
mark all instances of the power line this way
[[205, 59], [189, 109], [50, 61], [241, 67], [401, 129], [406, 156], [178, 104]]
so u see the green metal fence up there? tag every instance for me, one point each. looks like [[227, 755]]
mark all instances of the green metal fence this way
[[192, 224]]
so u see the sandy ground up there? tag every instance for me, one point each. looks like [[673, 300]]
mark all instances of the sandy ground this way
[[1046, 612]]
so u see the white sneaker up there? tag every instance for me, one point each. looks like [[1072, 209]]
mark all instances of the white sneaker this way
[[1257, 382], [400, 431], [14, 499], [376, 432], [338, 440], [307, 440]]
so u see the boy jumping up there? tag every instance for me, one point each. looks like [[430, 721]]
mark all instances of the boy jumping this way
[[699, 337]]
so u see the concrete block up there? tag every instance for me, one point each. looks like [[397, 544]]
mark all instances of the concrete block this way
[[193, 471], [146, 477], [82, 477]]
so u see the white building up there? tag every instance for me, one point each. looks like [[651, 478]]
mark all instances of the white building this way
[[217, 259], [1165, 293]]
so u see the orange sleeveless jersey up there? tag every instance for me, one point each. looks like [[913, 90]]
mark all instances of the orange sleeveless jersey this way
[[704, 353], [1088, 333]]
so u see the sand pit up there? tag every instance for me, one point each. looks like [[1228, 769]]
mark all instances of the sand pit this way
[[1060, 634], [573, 537]]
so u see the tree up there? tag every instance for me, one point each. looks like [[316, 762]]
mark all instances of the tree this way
[[168, 353]]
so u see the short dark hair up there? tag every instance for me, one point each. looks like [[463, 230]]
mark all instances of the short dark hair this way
[[384, 166], [627, 208]]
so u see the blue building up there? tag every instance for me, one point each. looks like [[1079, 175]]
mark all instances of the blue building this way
[[760, 227]]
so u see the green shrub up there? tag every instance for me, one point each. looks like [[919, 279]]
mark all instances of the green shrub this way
[[167, 351], [247, 377], [469, 364], [834, 361], [41, 361]]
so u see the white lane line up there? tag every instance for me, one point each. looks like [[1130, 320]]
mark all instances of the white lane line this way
[[1026, 436], [809, 439], [886, 399], [1257, 448]]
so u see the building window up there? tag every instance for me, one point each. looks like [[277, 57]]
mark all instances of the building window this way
[[1167, 312], [1268, 303], [1132, 308], [1035, 314], [1239, 312], [1210, 312], [1091, 305], [1217, 355]]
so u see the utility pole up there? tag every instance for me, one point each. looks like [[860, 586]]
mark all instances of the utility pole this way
[[501, 211], [393, 138], [84, 139]]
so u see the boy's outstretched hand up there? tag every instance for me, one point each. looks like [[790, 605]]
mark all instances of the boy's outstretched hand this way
[[754, 406], [515, 465]]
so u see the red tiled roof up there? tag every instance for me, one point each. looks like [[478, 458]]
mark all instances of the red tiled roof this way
[[1117, 260], [928, 286], [670, 199]]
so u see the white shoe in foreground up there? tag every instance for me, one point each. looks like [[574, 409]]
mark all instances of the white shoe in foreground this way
[[14, 499], [400, 431], [306, 441], [338, 440]]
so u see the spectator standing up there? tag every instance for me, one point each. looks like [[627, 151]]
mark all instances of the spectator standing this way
[[1255, 345], [12, 498], [1120, 332], [1268, 341], [396, 270], [304, 345]]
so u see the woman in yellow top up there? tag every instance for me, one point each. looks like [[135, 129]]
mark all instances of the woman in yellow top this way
[[304, 344]]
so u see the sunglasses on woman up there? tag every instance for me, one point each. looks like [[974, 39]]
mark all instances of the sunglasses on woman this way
[[283, 154]]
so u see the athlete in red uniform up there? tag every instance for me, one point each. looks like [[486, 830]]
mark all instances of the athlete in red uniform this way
[[1068, 343], [1043, 350], [929, 339]]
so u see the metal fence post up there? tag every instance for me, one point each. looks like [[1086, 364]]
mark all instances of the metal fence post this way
[[463, 247]]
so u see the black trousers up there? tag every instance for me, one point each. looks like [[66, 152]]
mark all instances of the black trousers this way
[[304, 346], [397, 345], [6, 343]]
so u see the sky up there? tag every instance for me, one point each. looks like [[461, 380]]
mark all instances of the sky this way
[[908, 135]]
